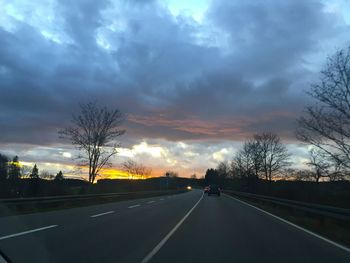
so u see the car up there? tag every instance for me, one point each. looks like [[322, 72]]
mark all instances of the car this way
[[214, 189], [206, 189]]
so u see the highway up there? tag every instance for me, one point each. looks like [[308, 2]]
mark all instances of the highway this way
[[188, 227]]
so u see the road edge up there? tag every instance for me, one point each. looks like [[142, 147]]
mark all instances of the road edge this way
[[292, 224]]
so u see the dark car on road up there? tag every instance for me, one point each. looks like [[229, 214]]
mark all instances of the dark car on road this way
[[214, 190]]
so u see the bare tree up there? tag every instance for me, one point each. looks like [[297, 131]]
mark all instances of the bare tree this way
[[244, 162], [304, 175], [324, 167], [326, 125], [236, 167], [319, 164], [144, 171], [274, 155], [255, 149], [223, 169], [46, 175], [134, 169], [263, 155], [129, 168], [94, 132]]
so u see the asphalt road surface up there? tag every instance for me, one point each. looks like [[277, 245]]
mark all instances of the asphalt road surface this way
[[187, 227]]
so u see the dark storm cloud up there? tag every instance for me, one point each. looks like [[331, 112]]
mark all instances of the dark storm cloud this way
[[164, 71], [272, 37]]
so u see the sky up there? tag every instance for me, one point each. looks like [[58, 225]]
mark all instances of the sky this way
[[195, 78]]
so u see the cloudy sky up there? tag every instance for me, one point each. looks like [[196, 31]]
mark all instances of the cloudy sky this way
[[195, 78]]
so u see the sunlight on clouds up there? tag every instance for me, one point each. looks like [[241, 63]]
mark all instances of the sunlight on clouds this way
[[67, 155], [51, 36], [171, 162], [340, 8], [41, 17], [154, 151], [7, 22], [13, 12], [194, 8], [26, 163], [190, 154], [220, 155], [125, 152], [103, 42], [143, 148], [182, 145]]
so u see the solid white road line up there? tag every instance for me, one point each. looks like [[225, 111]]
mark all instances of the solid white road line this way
[[150, 202], [102, 214], [162, 199], [27, 232], [165, 239], [133, 206], [294, 225]]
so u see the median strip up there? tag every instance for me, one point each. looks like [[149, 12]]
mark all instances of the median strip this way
[[27, 232], [133, 206], [102, 214]]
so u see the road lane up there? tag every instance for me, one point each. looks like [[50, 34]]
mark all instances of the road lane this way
[[155, 250], [218, 229], [124, 236], [221, 229], [66, 216]]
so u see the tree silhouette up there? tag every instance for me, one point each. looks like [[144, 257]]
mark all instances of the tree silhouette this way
[[59, 176], [325, 125], [273, 154], [14, 169], [3, 167], [35, 173], [211, 176], [264, 155], [94, 132], [193, 176], [134, 169]]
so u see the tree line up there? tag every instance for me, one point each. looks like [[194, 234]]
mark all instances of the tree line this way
[[263, 156], [12, 170]]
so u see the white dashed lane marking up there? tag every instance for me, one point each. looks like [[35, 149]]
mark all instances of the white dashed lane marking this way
[[28, 232], [102, 214], [133, 206]]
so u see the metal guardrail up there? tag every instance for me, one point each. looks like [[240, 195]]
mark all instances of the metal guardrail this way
[[323, 210], [51, 199]]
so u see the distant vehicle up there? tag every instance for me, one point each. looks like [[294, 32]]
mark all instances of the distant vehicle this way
[[206, 189], [214, 189], [189, 187]]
